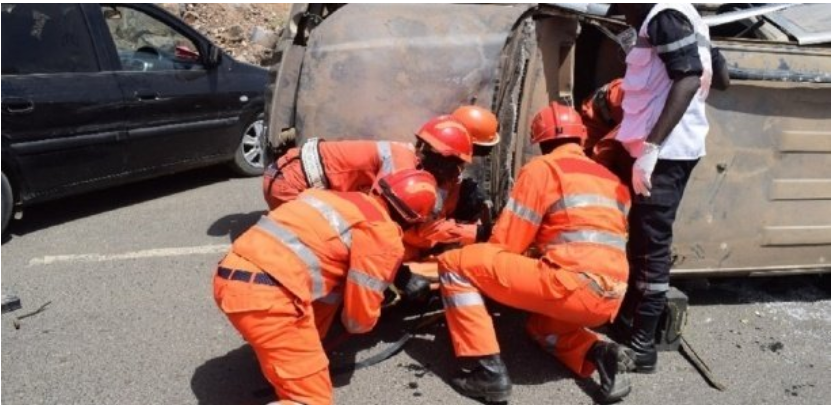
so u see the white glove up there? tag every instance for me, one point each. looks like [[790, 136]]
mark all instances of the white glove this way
[[641, 172]]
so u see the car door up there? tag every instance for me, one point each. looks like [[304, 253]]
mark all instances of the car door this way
[[62, 115], [175, 112]]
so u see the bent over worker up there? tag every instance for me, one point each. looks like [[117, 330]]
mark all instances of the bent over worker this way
[[351, 165], [668, 77], [306, 255], [572, 213]]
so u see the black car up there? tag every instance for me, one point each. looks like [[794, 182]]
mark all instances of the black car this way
[[95, 95]]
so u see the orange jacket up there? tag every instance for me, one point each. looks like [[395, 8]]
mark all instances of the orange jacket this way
[[326, 243], [342, 165], [572, 210]]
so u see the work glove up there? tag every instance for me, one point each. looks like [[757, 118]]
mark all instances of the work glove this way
[[641, 172], [413, 287]]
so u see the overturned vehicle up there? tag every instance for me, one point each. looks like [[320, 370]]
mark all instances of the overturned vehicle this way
[[758, 203]]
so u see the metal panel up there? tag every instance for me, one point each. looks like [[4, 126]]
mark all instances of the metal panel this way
[[379, 71], [805, 141], [796, 235], [800, 189]]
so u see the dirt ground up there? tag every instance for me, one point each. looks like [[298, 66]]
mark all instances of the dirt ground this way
[[247, 31]]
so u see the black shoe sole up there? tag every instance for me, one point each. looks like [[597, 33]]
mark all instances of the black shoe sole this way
[[645, 369], [491, 397], [621, 389]]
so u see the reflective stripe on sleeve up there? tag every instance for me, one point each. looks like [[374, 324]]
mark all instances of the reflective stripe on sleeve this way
[[313, 170], [523, 212], [292, 242], [449, 278], [335, 219], [367, 281], [676, 45]]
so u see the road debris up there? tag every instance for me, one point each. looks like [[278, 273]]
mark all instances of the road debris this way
[[42, 308]]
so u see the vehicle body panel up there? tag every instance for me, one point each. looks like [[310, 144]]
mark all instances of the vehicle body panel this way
[[93, 130], [758, 202]]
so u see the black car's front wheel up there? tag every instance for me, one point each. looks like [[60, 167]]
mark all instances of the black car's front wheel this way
[[8, 202], [248, 158]]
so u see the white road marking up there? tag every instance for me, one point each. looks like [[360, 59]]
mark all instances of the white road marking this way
[[141, 254]]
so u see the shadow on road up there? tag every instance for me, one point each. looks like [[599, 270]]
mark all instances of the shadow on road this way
[[234, 225], [234, 378], [53, 213], [748, 290]]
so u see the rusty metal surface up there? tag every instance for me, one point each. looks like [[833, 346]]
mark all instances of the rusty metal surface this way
[[379, 71]]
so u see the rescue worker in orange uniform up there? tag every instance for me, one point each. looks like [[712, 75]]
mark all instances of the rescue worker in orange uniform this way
[[571, 214], [454, 220], [323, 248], [351, 165], [602, 114]]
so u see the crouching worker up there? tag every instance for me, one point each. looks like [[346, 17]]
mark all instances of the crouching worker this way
[[572, 212], [311, 253]]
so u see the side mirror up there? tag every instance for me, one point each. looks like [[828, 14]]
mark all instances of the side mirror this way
[[213, 56]]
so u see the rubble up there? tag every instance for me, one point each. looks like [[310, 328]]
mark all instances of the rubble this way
[[246, 31]]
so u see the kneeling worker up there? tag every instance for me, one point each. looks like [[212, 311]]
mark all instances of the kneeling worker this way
[[572, 212], [313, 250]]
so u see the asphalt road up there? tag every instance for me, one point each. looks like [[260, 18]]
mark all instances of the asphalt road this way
[[131, 320]]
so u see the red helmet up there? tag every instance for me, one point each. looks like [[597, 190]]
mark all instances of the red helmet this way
[[411, 193], [447, 136], [557, 121], [481, 124]]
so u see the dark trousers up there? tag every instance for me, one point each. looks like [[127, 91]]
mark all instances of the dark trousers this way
[[650, 243]]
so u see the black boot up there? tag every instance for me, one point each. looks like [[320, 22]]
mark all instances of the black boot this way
[[489, 381], [613, 363], [642, 342]]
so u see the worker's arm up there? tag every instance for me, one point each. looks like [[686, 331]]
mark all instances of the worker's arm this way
[[520, 219], [375, 255], [676, 42]]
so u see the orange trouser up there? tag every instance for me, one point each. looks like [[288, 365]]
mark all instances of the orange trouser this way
[[564, 303], [282, 331]]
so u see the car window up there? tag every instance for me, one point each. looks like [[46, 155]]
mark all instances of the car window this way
[[145, 43], [46, 38]]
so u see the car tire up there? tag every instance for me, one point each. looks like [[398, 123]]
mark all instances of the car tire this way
[[248, 160], [8, 202]]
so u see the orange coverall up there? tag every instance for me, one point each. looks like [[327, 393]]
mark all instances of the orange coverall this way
[[572, 211], [284, 278], [333, 165], [602, 114]]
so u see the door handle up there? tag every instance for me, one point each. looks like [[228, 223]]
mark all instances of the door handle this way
[[19, 106], [146, 95]]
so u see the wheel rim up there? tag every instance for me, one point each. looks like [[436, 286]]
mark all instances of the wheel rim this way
[[251, 146]]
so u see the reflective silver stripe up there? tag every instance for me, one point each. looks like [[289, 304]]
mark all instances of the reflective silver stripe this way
[[676, 45], [586, 200], [292, 242], [652, 287], [351, 325], [386, 156], [310, 157], [468, 299], [332, 298], [603, 238], [335, 219], [449, 278], [441, 195], [367, 281], [271, 171], [523, 212], [550, 342]]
